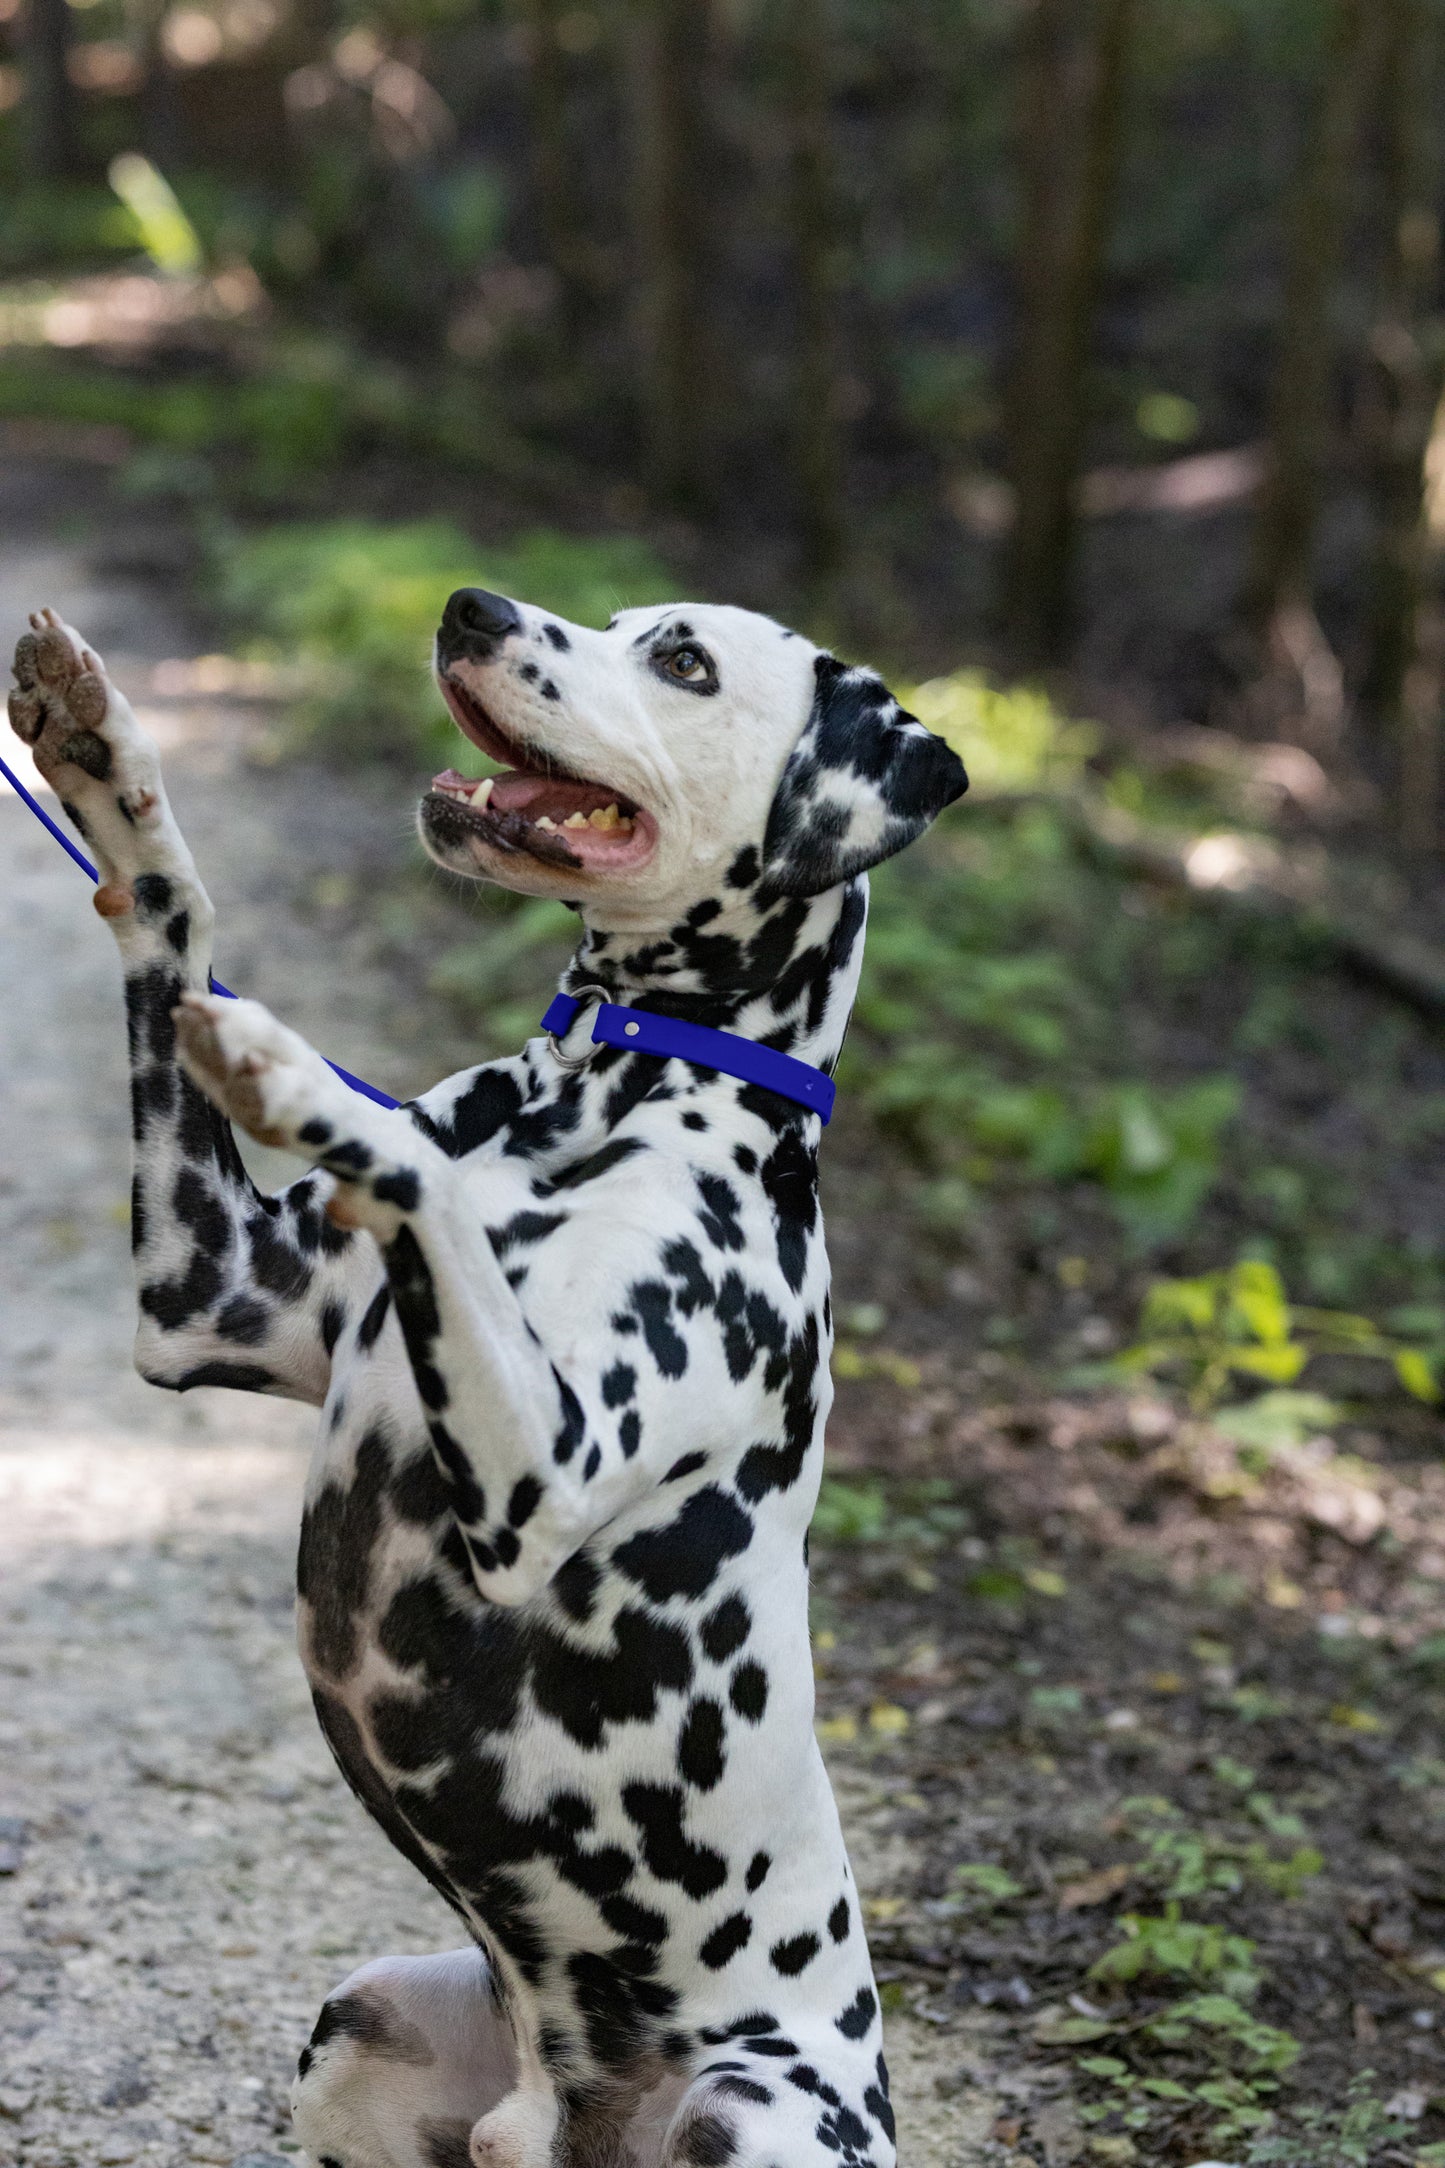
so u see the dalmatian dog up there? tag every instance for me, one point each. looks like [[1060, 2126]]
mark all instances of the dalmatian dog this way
[[567, 1319]]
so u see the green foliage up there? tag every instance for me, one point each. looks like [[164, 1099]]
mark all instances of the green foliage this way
[[1010, 738], [1171, 1947], [63, 225], [1188, 1862], [1157, 2069], [164, 231], [850, 1512], [355, 605], [1352, 2137], [1239, 1325], [494, 976], [920, 1515], [985, 1879]]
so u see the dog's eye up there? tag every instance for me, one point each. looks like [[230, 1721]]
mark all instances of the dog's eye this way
[[687, 663]]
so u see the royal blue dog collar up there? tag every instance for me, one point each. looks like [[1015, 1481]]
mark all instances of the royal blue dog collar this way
[[639, 1031]]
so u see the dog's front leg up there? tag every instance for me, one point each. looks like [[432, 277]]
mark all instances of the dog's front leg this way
[[504, 1424], [235, 1288]]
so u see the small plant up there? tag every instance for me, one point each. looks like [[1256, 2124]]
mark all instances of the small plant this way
[[1191, 1863], [981, 1878], [850, 1512], [1156, 2071], [1171, 1947], [1239, 1326], [1350, 2137]]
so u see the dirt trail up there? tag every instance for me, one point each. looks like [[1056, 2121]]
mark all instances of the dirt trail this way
[[184, 1876]]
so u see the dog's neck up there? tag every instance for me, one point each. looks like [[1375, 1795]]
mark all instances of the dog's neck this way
[[779, 969]]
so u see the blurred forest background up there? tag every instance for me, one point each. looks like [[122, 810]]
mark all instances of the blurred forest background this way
[[1080, 362]]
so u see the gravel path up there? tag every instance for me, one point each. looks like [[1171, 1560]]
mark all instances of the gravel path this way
[[184, 1875]]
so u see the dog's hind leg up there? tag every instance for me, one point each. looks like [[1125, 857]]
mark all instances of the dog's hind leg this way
[[407, 2055]]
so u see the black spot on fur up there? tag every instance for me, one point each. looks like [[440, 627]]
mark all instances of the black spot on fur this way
[[618, 1385], [338, 1535], [727, 1938], [403, 1189], [688, 1465], [368, 1332], [524, 1501], [445, 2140], [683, 1558], [794, 1954], [241, 1377], [838, 1920], [615, 1154], [700, 1756], [719, 1218], [859, 2015], [657, 1809], [757, 1872], [726, 1629], [586, 1690], [244, 1320], [652, 1300], [749, 1691], [575, 1585], [740, 2088]]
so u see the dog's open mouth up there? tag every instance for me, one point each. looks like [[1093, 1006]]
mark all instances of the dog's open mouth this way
[[553, 815]]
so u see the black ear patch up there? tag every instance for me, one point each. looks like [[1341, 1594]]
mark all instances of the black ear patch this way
[[864, 779]]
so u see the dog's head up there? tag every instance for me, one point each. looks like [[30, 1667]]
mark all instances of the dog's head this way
[[648, 765]]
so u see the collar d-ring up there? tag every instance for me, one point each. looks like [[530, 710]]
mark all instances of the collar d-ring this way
[[581, 995]]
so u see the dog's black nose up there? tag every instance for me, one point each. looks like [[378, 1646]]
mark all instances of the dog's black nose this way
[[474, 622]]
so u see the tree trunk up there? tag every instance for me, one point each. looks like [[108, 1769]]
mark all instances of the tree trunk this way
[[559, 212], [1074, 80], [1279, 579], [814, 428], [1402, 687], [161, 134], [671, 73], [52, 131]]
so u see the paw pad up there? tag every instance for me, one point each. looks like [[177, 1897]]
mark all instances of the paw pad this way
[[27, 716], [86, 700], [54, 657]]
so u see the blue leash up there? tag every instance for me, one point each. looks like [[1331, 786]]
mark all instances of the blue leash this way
[[367, 1091], [633, 1031]]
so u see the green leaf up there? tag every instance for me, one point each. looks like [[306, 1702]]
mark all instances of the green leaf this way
[[1417, 1374]]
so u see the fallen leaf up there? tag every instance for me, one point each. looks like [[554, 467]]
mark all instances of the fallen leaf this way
[[1355, 1719], [1093, 1889], [1045, 1582], [888, 1720]]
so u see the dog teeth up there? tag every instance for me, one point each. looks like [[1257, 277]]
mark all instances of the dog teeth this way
[[483, 792], [606, 817], [575, 820], [547, 822]]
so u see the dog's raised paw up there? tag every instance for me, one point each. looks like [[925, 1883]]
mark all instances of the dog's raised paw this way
[[79, 727], [255, 1068]]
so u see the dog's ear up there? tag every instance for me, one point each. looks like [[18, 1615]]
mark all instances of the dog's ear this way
[[864, 779]]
